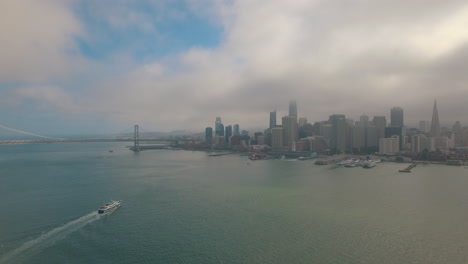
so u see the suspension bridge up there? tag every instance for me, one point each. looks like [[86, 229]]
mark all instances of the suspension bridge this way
[[150, 140]]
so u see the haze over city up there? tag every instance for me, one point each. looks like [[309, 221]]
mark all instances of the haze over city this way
[[102, 66]]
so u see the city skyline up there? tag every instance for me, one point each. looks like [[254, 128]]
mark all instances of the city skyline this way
[[101, 67]]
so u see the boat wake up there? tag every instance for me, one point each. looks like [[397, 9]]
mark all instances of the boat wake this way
[[47, 239]]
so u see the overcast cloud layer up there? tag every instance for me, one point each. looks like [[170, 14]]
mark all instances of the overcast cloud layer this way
[[60, 72]]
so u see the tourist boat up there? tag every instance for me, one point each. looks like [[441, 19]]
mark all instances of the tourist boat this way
[[109, 207]]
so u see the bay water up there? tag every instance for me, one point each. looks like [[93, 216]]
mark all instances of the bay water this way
[[187, 207]]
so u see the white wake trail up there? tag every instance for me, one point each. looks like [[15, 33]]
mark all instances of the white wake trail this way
[[47, 239]]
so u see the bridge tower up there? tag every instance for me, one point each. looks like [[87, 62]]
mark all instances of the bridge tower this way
[[136, 142]]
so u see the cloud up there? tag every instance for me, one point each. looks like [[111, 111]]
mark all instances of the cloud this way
[[337, 56], [37, 40]]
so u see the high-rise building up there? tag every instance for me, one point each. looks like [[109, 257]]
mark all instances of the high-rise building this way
[[389, 146], [416, 143], [277, 138], [293, 109], [272, 119], [458, 134], [396, 117], [435, 126], [424, 126], [219, 127], [380, 123], [302, 121], [236, 130], [339, 133], [209, 135], [228, 134], [364, 120], [291, 134]]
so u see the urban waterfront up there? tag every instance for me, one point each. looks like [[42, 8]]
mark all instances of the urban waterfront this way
[[188, 207]]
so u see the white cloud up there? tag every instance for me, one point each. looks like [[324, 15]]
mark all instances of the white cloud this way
[[37, 40]]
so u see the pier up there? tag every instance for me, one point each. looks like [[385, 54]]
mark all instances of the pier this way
[[331, 160], [408, 169]]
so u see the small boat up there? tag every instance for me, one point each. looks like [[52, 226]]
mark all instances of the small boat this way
[[109, 207], [111, 150]]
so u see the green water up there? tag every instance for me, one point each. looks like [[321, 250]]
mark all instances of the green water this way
[[186, 207]]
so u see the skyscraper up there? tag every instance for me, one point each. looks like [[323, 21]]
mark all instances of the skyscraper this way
[[338, 134], [209, 135], [273, 119], [236, 130], [396, 117], [293, 109], [380, 123], [228, 134], [219, 127], [364, 120], [291, 132], [277, 138], [435, 126]]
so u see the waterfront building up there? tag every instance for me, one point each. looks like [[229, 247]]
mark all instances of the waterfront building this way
[[220, 141], [339, 134], [325, 131], [372, 137], [228, 134], [291, 134], [428, 143], [416, 143], [389, 146], [277, 138], [396, 131], [209, 135], [435, 125], [358, 138], [273, 119], [293, 109], [396, 117], [261, 140]]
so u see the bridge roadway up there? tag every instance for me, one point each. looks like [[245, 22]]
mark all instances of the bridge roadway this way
[[13, 142]]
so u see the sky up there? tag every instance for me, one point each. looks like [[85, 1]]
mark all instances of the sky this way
[[84, 66]]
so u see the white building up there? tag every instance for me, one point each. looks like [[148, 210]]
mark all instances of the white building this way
[[389, 146]]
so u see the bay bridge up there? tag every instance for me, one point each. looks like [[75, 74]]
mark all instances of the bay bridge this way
[[10, 136]]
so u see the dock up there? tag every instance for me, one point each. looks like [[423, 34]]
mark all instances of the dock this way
[[220, 154], [331, 160], [408, 169]]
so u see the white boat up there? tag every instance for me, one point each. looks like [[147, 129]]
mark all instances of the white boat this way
[[368, 164], [109, 207]]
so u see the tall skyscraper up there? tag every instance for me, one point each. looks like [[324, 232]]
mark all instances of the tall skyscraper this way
[[396, 117], [338, 134], [293, 109], [209, 135], [435, 126], [380, 123], [219, 127], [273, 119], [291, 132], [228, 134], [236, 130]]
